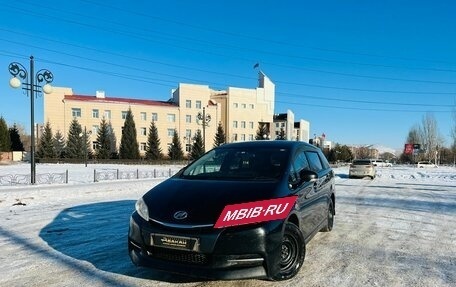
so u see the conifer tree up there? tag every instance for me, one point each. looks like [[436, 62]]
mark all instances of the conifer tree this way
[[220, 137], [153, 150], [113, 140], [197, 147], [75, 143], [5, 141], [16, 143], [129, 147], [282, 135], [262, 132], [104, 140], [46, 144], [175, 149], [59, 145]]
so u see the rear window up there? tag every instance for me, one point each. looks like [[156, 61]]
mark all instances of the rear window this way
[[362, 162]]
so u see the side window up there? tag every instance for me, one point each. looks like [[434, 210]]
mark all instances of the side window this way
[[324, 161], [299, 163], [314, 161]]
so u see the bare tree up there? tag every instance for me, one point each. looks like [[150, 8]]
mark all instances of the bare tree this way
[[413, 136], [431, 139]]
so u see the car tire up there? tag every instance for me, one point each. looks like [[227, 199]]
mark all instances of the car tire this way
[[293, 252], [330, 218]]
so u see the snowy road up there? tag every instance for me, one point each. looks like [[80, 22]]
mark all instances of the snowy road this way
[[397, 230]]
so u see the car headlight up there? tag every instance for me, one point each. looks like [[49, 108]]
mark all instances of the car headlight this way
[[142, 209]]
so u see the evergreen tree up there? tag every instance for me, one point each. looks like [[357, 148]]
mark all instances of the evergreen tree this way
[[262, 132], [153, 150], [175, 149], [16, 143], [197, 147], [75, 143], [220, 137], [5, 141], [129, 147], [59, 145], [104, 140], [281, 135], [46, 144], [113, 140]]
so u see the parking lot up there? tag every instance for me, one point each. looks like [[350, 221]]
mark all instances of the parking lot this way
[[396, 230]]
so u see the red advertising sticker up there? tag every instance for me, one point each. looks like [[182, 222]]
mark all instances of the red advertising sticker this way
[[254, 212]]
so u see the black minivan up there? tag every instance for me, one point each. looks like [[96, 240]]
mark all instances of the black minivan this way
[[242, 210]]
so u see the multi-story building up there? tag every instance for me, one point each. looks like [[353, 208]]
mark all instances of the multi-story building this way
[[192, 107], [292, 130]]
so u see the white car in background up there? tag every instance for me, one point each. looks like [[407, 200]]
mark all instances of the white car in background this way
[[423, 164], [381, 163]]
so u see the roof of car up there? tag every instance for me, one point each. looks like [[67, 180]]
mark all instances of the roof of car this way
[[270, 143]]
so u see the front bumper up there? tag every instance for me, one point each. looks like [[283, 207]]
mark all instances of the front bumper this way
[[249, 251]]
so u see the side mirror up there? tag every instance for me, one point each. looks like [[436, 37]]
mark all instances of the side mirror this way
[[304, 176], [308, 175]]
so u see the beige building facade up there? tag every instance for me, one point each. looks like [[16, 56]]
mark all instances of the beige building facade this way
[[191, 107]]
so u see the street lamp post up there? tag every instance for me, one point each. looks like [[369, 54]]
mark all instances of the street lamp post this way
[[28, 84], [203, 119]]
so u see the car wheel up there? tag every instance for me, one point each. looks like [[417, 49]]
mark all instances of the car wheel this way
[[293, 251], [330, 223]]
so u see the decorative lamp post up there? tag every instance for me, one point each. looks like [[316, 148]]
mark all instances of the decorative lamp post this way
[[85, 137], [31, 82], [203, 119]]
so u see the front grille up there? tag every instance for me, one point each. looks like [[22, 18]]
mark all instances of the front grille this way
[[178, 256]]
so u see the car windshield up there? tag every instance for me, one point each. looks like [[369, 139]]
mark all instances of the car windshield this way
[[239, 164]]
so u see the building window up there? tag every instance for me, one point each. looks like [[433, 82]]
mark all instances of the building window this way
[[170, 132], [95, 114], [235, 124], [277, 125], [252, 106], [188, 118], [143, 116], [251, 125], [124, 115], [243, 124], [76, 112], [95, 129], [171, 118], [188, 133], [95, 145], [243, 137], [250, 137], [283, 125], [235, 105], [143, 131], [107, 114], [235, 137], [198, 104], [243, 106], [154, 117], [188, 104], [143, 147]]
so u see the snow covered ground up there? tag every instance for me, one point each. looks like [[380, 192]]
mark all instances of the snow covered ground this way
[[397, 230]]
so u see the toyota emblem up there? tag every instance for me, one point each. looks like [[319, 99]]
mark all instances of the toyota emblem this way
[[179, 215]]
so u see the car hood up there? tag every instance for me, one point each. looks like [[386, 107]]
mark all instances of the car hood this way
[[203, 200]]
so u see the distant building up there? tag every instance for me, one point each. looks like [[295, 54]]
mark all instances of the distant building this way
[[240, 111], [285, 123]]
